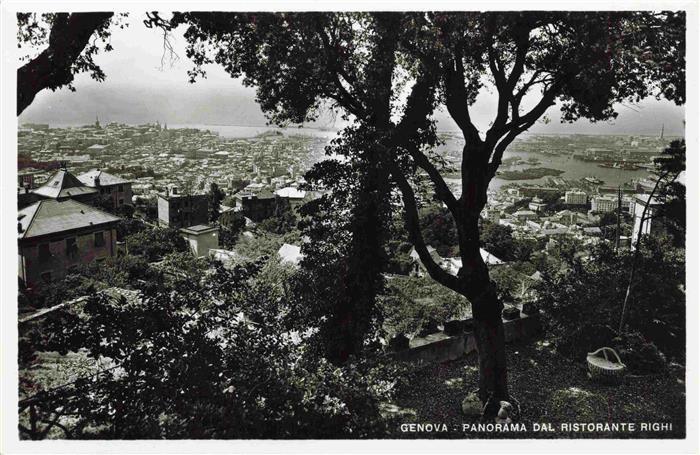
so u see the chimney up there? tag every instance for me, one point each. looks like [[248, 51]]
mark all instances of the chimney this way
[[97, 181], [19, 227]]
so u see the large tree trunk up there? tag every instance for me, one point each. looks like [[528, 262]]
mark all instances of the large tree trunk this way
[[489, 334], [477, 285], [490, 342]]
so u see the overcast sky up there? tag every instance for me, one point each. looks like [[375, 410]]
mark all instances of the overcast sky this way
[[138, 90]]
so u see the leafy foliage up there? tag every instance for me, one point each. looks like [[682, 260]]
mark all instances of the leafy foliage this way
[[34, 32], [72, 41], [155, 243], [193, 364], [281, 223], [591, 292], [672, 212], [498, 240], [340, 274], [129, 226], [410, 303], [229, 231], [117, 271], [440, 230], [361, 63]]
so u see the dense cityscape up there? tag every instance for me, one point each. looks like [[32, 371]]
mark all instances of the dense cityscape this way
[[150, 162]]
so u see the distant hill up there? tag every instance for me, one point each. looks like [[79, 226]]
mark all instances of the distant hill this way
[[192, 105], [202, 104]]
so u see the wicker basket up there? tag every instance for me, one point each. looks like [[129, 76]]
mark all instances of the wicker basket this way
[[603, 368]]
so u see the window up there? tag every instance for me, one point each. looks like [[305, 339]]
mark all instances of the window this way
[[71, 247], [120, 188], [121, 201], [99, 239], [46, 276], [44, 251]]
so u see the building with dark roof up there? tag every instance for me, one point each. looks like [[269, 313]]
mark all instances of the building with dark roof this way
[[64, 185], [114, 191], [55, 235], [25, 197]]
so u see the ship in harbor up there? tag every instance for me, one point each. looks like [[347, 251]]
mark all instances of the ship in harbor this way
[[623, 165]]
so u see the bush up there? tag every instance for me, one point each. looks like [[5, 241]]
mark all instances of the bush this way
[[439, 230], [640, 355], [582, 301], [117, 271], [155, 243], [282, 224], [577, 343], [411, 303], [231, 227], [192, 365], [129, 226]]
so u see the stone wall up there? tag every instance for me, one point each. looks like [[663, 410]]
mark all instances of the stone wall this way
[[440, 347]]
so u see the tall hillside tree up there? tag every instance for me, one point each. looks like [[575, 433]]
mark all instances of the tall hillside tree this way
[[586, 61], [387, 72], [301, 63]]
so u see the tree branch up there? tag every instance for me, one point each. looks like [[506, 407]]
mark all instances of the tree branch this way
[[419, 106], [516, 127], [505, 86], [442, 191], [536, 112], [412, 224], [456, 99], [343, 96], [52, 68], [522, 46]]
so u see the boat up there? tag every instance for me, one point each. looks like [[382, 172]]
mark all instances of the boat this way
[[623, 165]]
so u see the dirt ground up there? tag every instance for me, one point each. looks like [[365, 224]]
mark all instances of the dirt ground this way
[[551, 390]]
